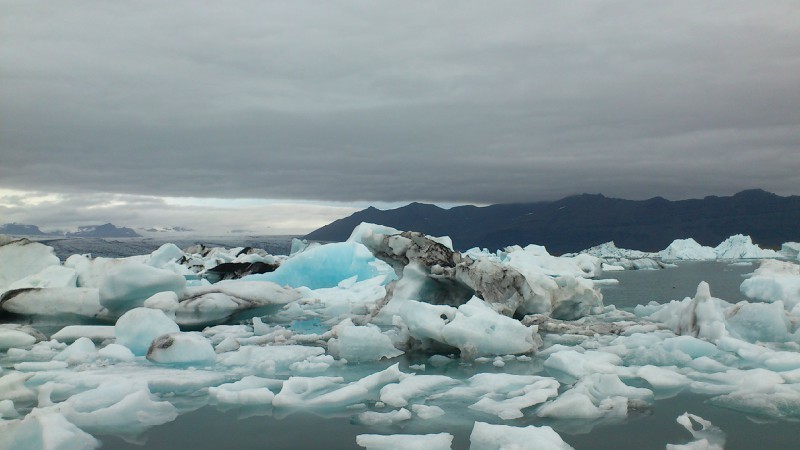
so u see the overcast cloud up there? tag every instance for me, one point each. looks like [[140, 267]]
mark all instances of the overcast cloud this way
[[363, 101]]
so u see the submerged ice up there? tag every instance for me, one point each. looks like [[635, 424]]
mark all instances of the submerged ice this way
[[502, 340]]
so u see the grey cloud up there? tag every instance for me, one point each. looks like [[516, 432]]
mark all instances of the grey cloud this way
[[436, 101]]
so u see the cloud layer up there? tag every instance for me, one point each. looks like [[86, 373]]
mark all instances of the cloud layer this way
[[367, 101], [62, 212]]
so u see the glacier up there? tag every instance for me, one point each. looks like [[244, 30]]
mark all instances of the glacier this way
[[393, 329]]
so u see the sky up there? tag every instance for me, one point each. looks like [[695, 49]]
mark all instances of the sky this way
[[279, 117]]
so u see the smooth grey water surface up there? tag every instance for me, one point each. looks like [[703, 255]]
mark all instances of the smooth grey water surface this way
[[676, 283]]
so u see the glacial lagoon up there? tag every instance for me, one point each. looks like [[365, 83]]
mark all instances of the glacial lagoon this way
[[633, 383]]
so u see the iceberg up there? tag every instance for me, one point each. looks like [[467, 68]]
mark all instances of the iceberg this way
[[181, 348], [486, 436], [741, 247], [45, 430], [21, 259], [708, 437], [774, 281], [325, 267], [687, 249], [440, 441], [137, 328]]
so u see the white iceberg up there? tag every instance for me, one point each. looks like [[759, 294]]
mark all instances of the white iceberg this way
[[137, 328], [687, 249], [486, 436], [440, 441]]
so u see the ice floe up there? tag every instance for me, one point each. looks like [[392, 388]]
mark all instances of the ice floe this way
[[394, 330]]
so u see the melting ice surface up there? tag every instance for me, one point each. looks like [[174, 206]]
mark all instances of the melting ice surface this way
[[393, 340]]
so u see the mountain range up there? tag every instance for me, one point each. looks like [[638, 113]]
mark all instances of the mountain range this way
[[107, 230], [581, 221]]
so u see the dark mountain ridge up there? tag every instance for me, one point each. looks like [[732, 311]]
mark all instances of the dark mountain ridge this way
[[107, 230], [581, 221]]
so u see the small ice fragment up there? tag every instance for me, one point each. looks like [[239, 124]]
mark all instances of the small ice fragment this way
[[441, 441]]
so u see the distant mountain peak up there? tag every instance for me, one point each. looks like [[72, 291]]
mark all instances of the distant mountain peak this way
[[21, 229], [754, 193], [107, 230]]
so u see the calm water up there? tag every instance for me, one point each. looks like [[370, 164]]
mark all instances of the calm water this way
[[675, 283], [653, 428]]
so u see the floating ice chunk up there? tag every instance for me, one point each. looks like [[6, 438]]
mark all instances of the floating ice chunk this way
[[45, 430], [427, 412], [486, 436], [703, 316], [117, 408], [477, 330], [535, 258], [7, 410], [97, 333], [781, 402], [181, 348], [579, 365], [314, 364], [215, 303], [347, 300], [662, 378], [575, 297], [495, 385], [40, 366], [22, 258], [708, 437], [329, 392], [325, 267], [610, 250], [511, 405], [706, 364], [764, 322], [302, 391], [268, 359], [425, 321], [400, 394], [250, 390], [595, 396], [370, 233], [166, 301], [12, 387], [774, 281], [54, 301], [441, 441], [116, 352], [165, 257], [361, 343], [741, 247], [474, 328], [49, 277], [691, 346], [373, 418], [128, 284], [228, 344], [16, 336], [80, 351], [137, 328], [687, 249]]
